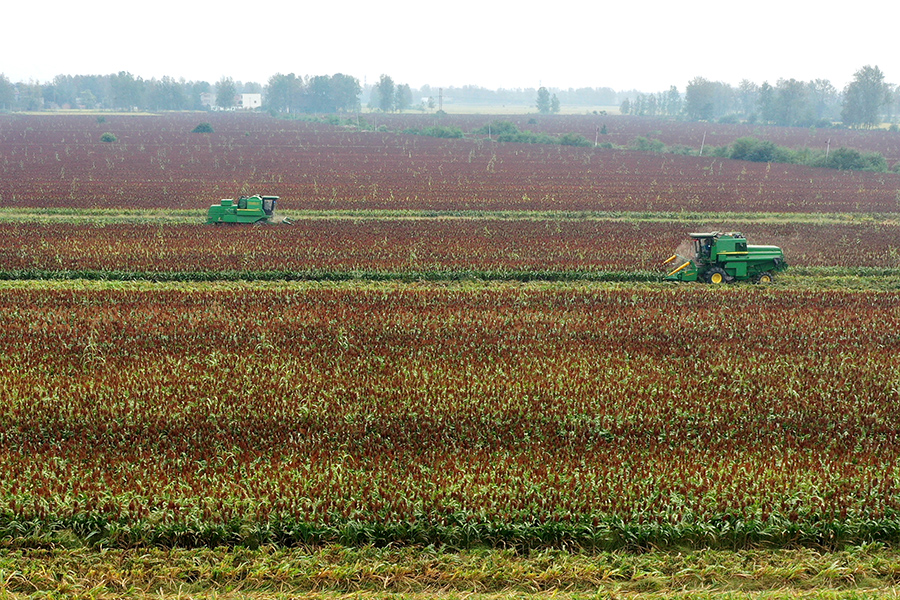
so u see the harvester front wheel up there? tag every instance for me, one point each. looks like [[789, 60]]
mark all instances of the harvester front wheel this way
[[764, 278], [716, 275]]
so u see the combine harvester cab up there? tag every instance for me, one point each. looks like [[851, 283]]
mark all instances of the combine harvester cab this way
[[725, 257], [247, 209]]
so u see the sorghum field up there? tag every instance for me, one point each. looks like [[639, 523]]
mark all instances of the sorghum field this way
[[458, 371]]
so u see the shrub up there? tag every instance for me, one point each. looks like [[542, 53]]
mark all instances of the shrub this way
[[643, 144], [438, 131], [754, 150], [850, 159], [203, 128], [527, 137], [497, 128], [108, 137], [574, 139]]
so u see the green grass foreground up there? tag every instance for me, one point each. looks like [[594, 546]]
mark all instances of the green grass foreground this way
[[338, 571]]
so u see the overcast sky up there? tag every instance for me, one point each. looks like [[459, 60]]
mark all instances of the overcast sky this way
[[646, 45]]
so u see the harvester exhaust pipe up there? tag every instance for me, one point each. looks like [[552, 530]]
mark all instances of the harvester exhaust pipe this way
[[679, 268]]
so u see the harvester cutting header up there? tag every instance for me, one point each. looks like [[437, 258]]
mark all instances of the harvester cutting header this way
[[724, 257]]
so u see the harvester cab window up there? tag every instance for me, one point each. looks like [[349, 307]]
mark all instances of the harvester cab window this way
[[702, 246], [268, 205]]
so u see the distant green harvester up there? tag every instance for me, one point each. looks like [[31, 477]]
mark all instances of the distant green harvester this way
[[725, 257], [248, 209]]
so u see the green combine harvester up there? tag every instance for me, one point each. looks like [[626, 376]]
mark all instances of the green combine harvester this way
[[247, 209], [724, 257]]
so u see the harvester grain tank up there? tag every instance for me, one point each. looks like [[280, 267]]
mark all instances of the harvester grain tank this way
[[247, 209], [724, 257]]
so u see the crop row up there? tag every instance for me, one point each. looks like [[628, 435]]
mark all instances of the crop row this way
[[157, 163], [517, 411], [344, 246]]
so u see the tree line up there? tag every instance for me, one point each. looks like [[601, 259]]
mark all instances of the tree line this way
[[124, 91], [865, 102], [288, 93]]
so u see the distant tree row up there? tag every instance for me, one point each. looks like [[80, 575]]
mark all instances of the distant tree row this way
[[864, 103], [121, 91], [124, 91], [525, 97], [282, 93], [867, 101], [651, 105], [318, 94]]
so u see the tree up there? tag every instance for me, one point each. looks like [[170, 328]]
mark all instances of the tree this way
[[699, 99], [63, 91], [625, 107], [651, 106], [87, 99], [673, 101], [127, 91], [167, 94], [824, 99], [543, 100], [554, 104], [864, 97], [345, 91], [791, 105], [318, 93], [766, 100], [225, 93], [706, 100], [30, 96], [7, 93], [402, 97], [383, 94], [747, 97], [197, 89], [283, 92]]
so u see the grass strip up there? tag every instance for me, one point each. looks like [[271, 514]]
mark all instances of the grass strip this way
[[335, 569], [127, 215]]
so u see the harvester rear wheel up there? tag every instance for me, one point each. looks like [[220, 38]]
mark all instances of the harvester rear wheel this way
[[765, 277], [716, 275]]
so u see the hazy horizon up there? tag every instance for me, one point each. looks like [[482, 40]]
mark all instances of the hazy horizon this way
[[562, 46]]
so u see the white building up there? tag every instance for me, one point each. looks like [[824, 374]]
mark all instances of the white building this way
[[249, 101]]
